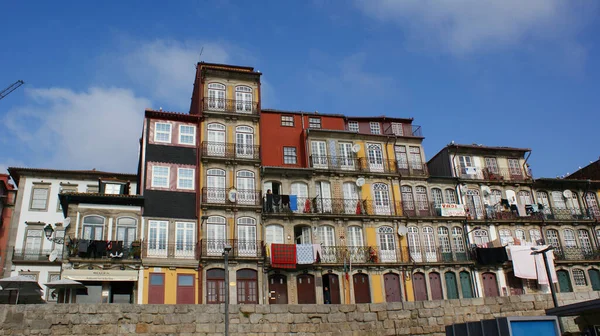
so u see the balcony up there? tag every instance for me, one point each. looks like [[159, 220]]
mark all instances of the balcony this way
[[556, 213], [100, 249], [30, 255], [352, 164], [577, 254], [240, 249], [408, 130], [230, 151], [328, 206], [438, 254], [159, 250], [418, 209], [223, 196], [499, 212], [513, 175], [360, 255], [230, 106], [404, 169]]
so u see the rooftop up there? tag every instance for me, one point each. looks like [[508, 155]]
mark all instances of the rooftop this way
[[17, 172]]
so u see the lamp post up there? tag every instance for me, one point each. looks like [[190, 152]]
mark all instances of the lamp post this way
[[226, 250], [550, 284], [49, 231]]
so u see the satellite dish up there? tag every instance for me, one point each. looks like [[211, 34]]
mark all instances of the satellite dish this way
[[567, 193], [232, 194], [402, 230], [360, 181], [53, 256], [67, 221], [355, 148]]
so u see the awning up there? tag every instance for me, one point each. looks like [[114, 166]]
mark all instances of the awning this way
[[100, 275]]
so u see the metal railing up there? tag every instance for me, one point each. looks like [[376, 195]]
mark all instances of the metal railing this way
[[411, 169], [161, 249], [230, 105], [418, 209], [100, 249], [334, 206], [361, 255], [328, 162], [213, 248], [555, 213], [437, 254], [377, 165], [33, 255], [221, 196], [498, 174], [407, 130], [230, 150], [577, 253]]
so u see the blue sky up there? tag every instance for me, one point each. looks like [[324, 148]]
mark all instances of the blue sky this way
[[504, 73]]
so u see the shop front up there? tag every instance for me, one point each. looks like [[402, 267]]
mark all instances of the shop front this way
[[104, 286]]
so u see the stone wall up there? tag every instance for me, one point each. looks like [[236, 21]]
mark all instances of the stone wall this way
[[401, 318]]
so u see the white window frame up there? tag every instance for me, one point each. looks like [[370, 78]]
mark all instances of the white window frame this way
[[160, 247], [181, 135], [579, 277], [287, 156], [180, 178], [287, 120], [47, 198], [153, 184], [397, 129], [156, 132], [353, 126], [185, 248], [375, 127], [314, 122], [109, 188]]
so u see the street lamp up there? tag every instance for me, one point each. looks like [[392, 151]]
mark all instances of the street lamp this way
[[226, 250], [550, 284], [49, 231]]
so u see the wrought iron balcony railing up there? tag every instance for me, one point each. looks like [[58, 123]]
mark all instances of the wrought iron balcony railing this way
[[556, 213], [343, 163], [371, 165], [33, 255], [101, 249], [360, 255], [418, 209], [412, 169], [438, 254], [230, 150], [407, 130], [240, 249], [223, 196], [230, 105], [497, 174], [162, 249], [577, 253], [282, 204]]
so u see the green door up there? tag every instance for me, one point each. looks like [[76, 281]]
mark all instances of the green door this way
[[451, 288], [595, 279], [465, 285], [564, 282]]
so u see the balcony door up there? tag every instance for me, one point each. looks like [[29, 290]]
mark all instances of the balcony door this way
[[474, 204], [401, 158], [387, 244], [351, 200], [245, 187], [592, 204], [346, 156], [429, 243], [216, 96], [157, 238], [382, 199], [323, 197], [326, 235], [318, 154], [244, 142], [215, 140], [185, 234], [355, 241], [215, 183], [33, 244], [375, 157], [216, 235], [246, 243], [414, 244], [301, 191], [243, 99]]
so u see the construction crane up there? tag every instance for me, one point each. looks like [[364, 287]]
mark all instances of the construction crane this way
[[11, 88]]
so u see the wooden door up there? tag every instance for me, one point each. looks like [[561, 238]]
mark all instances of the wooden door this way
[[594, 279], [466, 285], [490, 285], [362, 291], [515, 284], [156, 288], [420, 287], [215, 285], [435, 284], [451, 286], [332, 282], [278, 289], [564, 282], [186, 289], [305, 284], [392, 287], [247, 286]]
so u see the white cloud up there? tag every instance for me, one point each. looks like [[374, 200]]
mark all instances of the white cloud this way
[[468, 26], [61, 128]]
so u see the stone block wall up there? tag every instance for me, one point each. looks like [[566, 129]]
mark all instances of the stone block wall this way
[[400, 318]]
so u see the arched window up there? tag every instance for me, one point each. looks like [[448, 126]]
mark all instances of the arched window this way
[[243, 99], [444, 239], [573, 203], [382, 199], [450, 196], [481, 237], [535, 236], [246, 228], [274, 234], [505, 237], [216, 235], [351, 199], [215, 186], [436, 196], [524, 197], [126, 230], [520, 235], [93, 228], [558, 200], [408, 203], [244, 142], [387, 244], [303, 204], [354, 236], [326, 235], [245, 187], [216, 96], [592, 204], [375, 157], [458, 239], [579, 277], [429, 243], [552, 238], [414, 244], [215, 140], [474, 204], [422, 202], [569, 238], [584, 240], [542, 197]]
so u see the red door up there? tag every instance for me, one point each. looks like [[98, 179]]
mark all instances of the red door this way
[[436, 286], [185, 289], [305, 284], [215, 285], [515, 284], [362, 291], [156, 288], [420, 287], [278, 289], [247, 286], [490, 285], [392, 287], [332, 282]]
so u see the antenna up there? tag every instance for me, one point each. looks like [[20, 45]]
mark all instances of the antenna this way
[[200, 56]]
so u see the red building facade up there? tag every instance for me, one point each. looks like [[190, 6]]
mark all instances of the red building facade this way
[[7, 202]]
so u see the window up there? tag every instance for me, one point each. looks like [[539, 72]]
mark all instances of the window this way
[[184, 239], [513, 167], [375, 127], [466, 165], [287, 121], [289, 155], [246, 236], [520, 235], [407, 198], [274, 234], [584, 240], [112, 189], [558, 200], [495, 197], [39, 197], [401, 157], [50, 293], [93, 228], [185, 178], [579, 277], [480, 237], [415, 158], [162, 132], [524, 197], [157, 238], [33, 242], [457, 239], [160, 177], [91, 188], [569, 236], [421, 194], [542, 197], [353, 126], [243, 99], [62, 190], [592, 204], [397, 129], [506, 237], [444, 239], [187, 135], [552, 238], [436, 196], [450, 196], [314, 122], [126, 230], [326, 235], [216, 96], [492, 165]]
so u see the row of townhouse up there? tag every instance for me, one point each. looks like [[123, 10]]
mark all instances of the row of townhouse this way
[[314, 208]]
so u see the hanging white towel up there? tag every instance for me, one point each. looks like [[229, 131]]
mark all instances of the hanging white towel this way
[[523, 262], [541, 268]]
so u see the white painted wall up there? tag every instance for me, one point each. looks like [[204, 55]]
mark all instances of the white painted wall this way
[[42, 273]]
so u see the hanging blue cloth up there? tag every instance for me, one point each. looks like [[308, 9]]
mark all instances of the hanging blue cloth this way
[[293, 202]]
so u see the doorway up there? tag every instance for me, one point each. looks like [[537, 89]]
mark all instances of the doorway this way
[[332, 283], [420, 286], [247, 286], [185, 289], [436, 286], [215, 285], [466, 286], [278, 289], [564, 282], [392, 287], [362, 291], [451, 285], [490, 284], [594, 279], [156, 288], [515, 284], [305, 284]]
